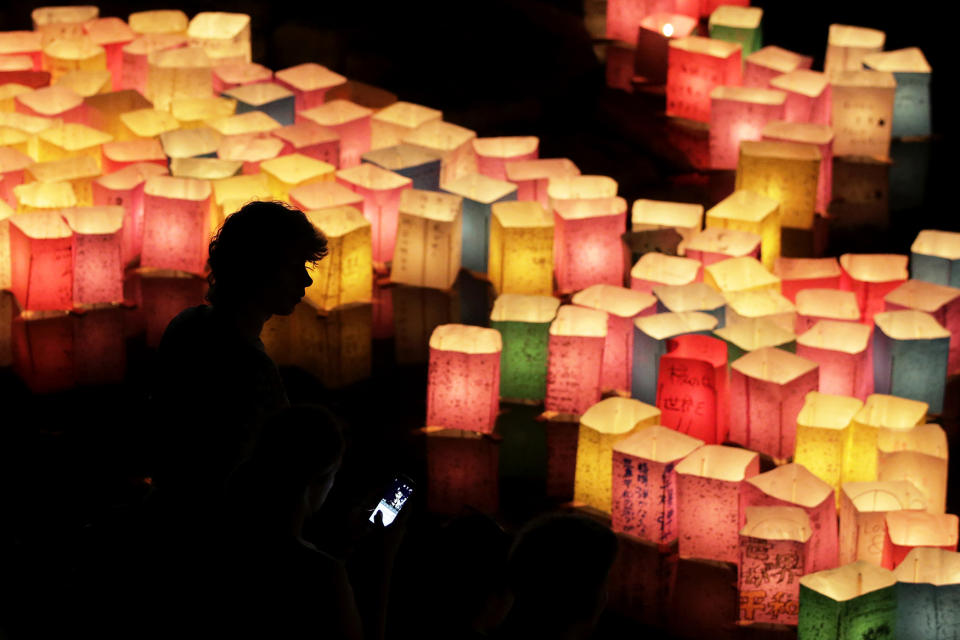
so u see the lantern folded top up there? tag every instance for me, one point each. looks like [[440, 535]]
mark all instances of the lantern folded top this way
[[892, 412], [73, 137], [706, 46], [695, 296], [407, 114], [339, 221], [521, 215], [619, 301], [615, 415], [803, 81], [177, 188], [73, 48], [728, 242], [159, 21], [891, 495], [370, 176], [180, 58], [130, 176], [928, 439], [148, 123], [910, 325], [849, 581], [65, 170], [515, 307], [804, 132], [51, 101], [439, 135], [752, 95], [259, 94], [187, 143], [506, 147], [336, 112], [781, 150], [579, 321], [777, 59], [13, 160], [217, 25], [26, 123], [433, 205], [45, 195], [85, 82], [42, 225], [14, 42], [674, 25], [400, 156], [793, 483], [593, 208], [942, 244], [249, 122], [306, 133], [922, 295], [717, 461], [919, 528], [828, 303], [250, 147], [295, 168], [744, 205], [243, 188], [480, 188], [244, 73], [843, 35], [204, 168], [659, 267], [736, 17], [519, 170], [740, 274], [47, 16], [309, 76], [324, 195], [670, 214], [660, 444], [826, 411], [148, 43], [95, 220], [581, 187], [806, 268], [773, 365], [864, 79], [193, 110], [777, 523], [751, 334], [759, 303], [661, 326], [847, 337], [466, 339], [875, 267], [929, 565]]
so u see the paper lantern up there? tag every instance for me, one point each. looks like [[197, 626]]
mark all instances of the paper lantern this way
[[52, 102], [178, 73], [774, 554], [224, 36], [86, 83], [842, 349], [910, 355], [44, 195], [918, 455], [872, 277], [272, 99], [418, 164], [740, 25], [695, 67], [863, 510], [147, 123], [71, 141], [12, 165], [346, 275], [692, 387], [798, 274], [575, 188], [764, 303], [293, 170], [417, 311], [927, 594], [15, 62], [943, 303], [823, 430], [624, 16], [135, 57], [494, 153], [601, 427], [428, 244], [310, 139], [521, 248], [5, 212], [750, 334], [644, 501], [453, 143], [686, 219], [587, 248], [934, 256], [910, 69], [26, 43], [318, 195], [461, 471], [251, 149], [814, 305], [532, 177], [60, 22], [752, 212], [41, 260], [907, 530], [716, 243], [524, 324], [575, 360], [784, 171], [479, 193], [97, 253], [231, 193], [847, 46], [350, 121], [863, 112], [381, 190], [763, 65], [78, 172], [881, 412], [854, 601], [237, 74], [125, 188], [118, 155], [696, 296], [201, 142], [464, 377], [43, 351], [708, 490], [158, 21], [72, 53], [193, 113], [390, 125], [244, 124], [810, 134], [655, 269], [809, 96], [14, 140], [309, 82], [650, 341], [176, 223], [212, 169], [767, 388], [653, 42], [739, 274]]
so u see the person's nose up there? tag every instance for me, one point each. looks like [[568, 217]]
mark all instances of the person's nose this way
[[307, 280]]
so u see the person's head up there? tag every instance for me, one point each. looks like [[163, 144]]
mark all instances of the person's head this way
[[260, 255]]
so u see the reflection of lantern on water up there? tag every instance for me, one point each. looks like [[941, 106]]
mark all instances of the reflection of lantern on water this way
[[229, 76], [309, 82], [70, 141], [686, 219], [775, 545], [73, 53], [99, 346], [763, 304], [655, 269], [461, 471], [739, 274], [135, 58], [696, 296], [695, 66], [392, 123], [797, 274], [77, 172], [814, 305], [881, 412], [97, 253], [494, 153], [854, 601], [43, 351], [786, 172], [37, 196], [714, 244], [418, 164], [910, 355], [521, 248], [928, 585], [417, 311], [575, 359], [863, 510], [918, 455], [935, 257], [872, 277], [650, 341], [524, 325], [820, 135], [346, 275], [943, 303], [653, 42], [752, 212], [641, 580], [761, 66], [176, 223], [381, 190], [453, 143], [823, 428], [862, 114], [842, 349], [429, 229], [270, 98], [463, 384], [751, 334], [587, 246], [808, 96], [178, 73], [532, 177], [125, 188], [224, 36], [310, 139], [41, 261], [692, 387], [479, 193], [293, 170], [708, 501], [908, 530], [601, 427], [645, 482], [847, 46], [738, 114], [117, 155]]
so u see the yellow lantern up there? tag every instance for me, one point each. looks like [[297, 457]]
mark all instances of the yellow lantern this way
[[178, 73], [204, 168], [714, 244], [224, 36], [322, 195], [10, 91], [601, 427], [521, 249], [71, 141], [753, 212], [811, 133], [346, 275], [147, 123], [309, 82], [391, 124], [250, 148], [786, 172], [350, 121], [44, 195], [78, 172], [532, 176], [880, 412], [767, 304], [72, 54], [842, 349], [197, 112], [293, 170], [239, 190], [847, 45], [797, 274], [191, 143], [761, 66], [104, 109], [158, 21], [823, 430], [26, 43], [739, 274], [251, 122], [654, 269], [52, 102], [919, 456], [808, 96], [427, 250], [494, 153], [863, 113], [86, 83], [863, 507], [117, 155], [453, 143], [687, 219]]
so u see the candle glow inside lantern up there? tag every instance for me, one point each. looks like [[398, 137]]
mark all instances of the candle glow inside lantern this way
[[494, 153], [97, 253], [739, 274], [622, 307], [41, 261], [943, 303], [224, 36], [249, 123], [644, 500], [695, 67], [575, 360], [310, 139], [808, 134], [71, 141], [272, 99], [22, 43], [521, 248], [872, 277], [178, 73], [654, 269], [479, 194], [229, 76], [650, 343], [12, 165], [935, 257], [857, 600], [653, 42], [842, 349], [251, 149], [453, 143], [910, 355], [754, 213], [418, 164], [686, 219], [78, 172], [464, 377], [911, 107], [587, 247], [532, 177], [429, 229], [863, 510], [740, 25], [200, 142], [117, 155], [125, 188], [823, 429], [601, 427], [392, 123], [524, 324], [36, 196], [908, 530], [346, 274], [309, 82], [194, 113], [381, 191], [847, 45], [919, 456], [809, 96], [158, 21], [714, 244], [708, 501], [696, 296], [176, 223], [774, 553], [763, 65], [135, 58], [880, 412], [862, 115], [293, 170], [928, 589], [751, 334], [764, 304], [784, 171], [767, 390], [692, 387], [462, 470], [798, 274]]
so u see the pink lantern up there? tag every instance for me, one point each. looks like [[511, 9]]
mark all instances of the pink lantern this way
[[942, 302], [381, 191], [575, 359], [117, 155], [113, 34], [493, 154], [709, 481], [842, 349], [125, 188], [238, 74], [767, 388], [714, 244], [761, 66], [653, 42], [622, 307], [176, 223], [310, 139], [97, 253], [452, 143], [863, 510], [919, 456], [624, 16], [809, 97], [350, 121], [587, 246], [532, 176], [908, 530], [809, 133], [814, 305], [12, 164], [463, 382], [692, 387], [461, 471], [26, 43], [797, 274], [695, 67], [785, 171], [872, 277], [847, 45], [737, 114], [52, 102], [309, 82], [391, 124], [41, 261], [134, 61], [654, 269], [685, 219]]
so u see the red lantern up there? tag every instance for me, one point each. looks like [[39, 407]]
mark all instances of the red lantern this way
[[43, 352], [695, 67], [737, 114], [176, 223], [463, 386], [872, 277], [97, 253], [575, 360], [125, 188], [797, 274], [906, 530], [532, 176], [41, 260], [381, 191], [494, 153], [692, 387]]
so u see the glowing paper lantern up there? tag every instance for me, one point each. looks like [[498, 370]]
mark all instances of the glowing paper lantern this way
[[78, 172], [494, 153], [750, 334], [814, 305], [346, 275], [464, 377], [797, 274], [229, 76], [178, 73], [390, 125], [645, 482], [59, 22], [695, 67], [692, 387], [739, 25], [41, 259], [416, 163], [739, 274], [823, 429], [587, 248], [532, 177], [842, 349], [72, 53], [293, 170], [910, 355], [251, 149], [244, 124], [934, 256], [461, 471], [350, 121], [272, 99], [752, 212], [318, 195], [744, 306], [135, 60], [763, 65], [601, 427], [521, 249], [117, 155], [624, 16], [176, 223], [97, 253], [910, 69], [881, 412], [231, 193], [125, 188], [907, 530], [696, 296], [767, 388], [650, 341], [687, 219], [814, 134], [194, 113], [310, 139], [44, 195], [655, 269], [5, 213], [28, 43], [854, 601], [863, 510], [479, 194], [847, 46], [774, 553], [224, 36], [575, 360], [52, 102], [14, 140], [708, 501], [453, 143], [715, 244], [309, 82], [71, 141], [872, 277], [417, 311], [653, 42], [86, 83], [158, 21], [381, 191], [205, 168], [524, 325], [103, 110], [428, 239], [918, 455], [784, 171], [927, 594], [862, 116], [943, 303]]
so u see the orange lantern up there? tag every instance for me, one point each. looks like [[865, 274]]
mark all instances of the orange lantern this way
[[823, 430], [125, 188], [934, 255], [381, 191], [752, 212], [575, 359], [178, 73], [842, 349], [750, 334], [309, 82], [224, 36], [350, 121], [347, 274], [872, 277], [739, 274], [686, 219], [391, 124], [461, 471], [650, 341], [797, 274], [118, 155], [692, 387], [863, 509], [910, 355], [847, 45], [521, 248], [41, 261], [453, 143], [745, 306], [52, 102], [695, 67], [416, 163], [765, 64], [691, 297], [147, 123], [72, 53], [320, 195], [176, 223], [429, 228], [919, 456], [238, 74], [22, 43], [738, 114], [61, 22], [943, 303], [655, 269], [310, 139], [532, 177], [463, 386], [908, 530], [587, 248], [714, 244], [494, 153], [417, 311], [862, 116]]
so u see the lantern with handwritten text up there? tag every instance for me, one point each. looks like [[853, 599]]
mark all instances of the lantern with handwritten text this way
[[125, 188], [813, 134], [918, 455], [464, 377], [176, 222], [854, 601], [479, 194], [823, 428], [650, 342], [454, 144], [753, 212], [692, 387], [761, 66], [695, 67], [880, 412], [910, 355], [842, 350], [524, 324], [935, 257], [97, 253], [532, 176], [346, 274], [428, 245], [863, 510], [696, 296], [908, 530], [575, 359], [943, 303], [41, 260], [381, 191], [862, 115]]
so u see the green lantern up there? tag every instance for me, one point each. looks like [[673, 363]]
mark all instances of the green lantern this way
[[852, 602], [524, 324], [740, 25]]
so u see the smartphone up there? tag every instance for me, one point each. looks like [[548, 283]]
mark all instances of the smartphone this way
[[393, 500]]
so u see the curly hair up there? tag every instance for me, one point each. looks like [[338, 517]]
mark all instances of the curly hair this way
[[259, 238]]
